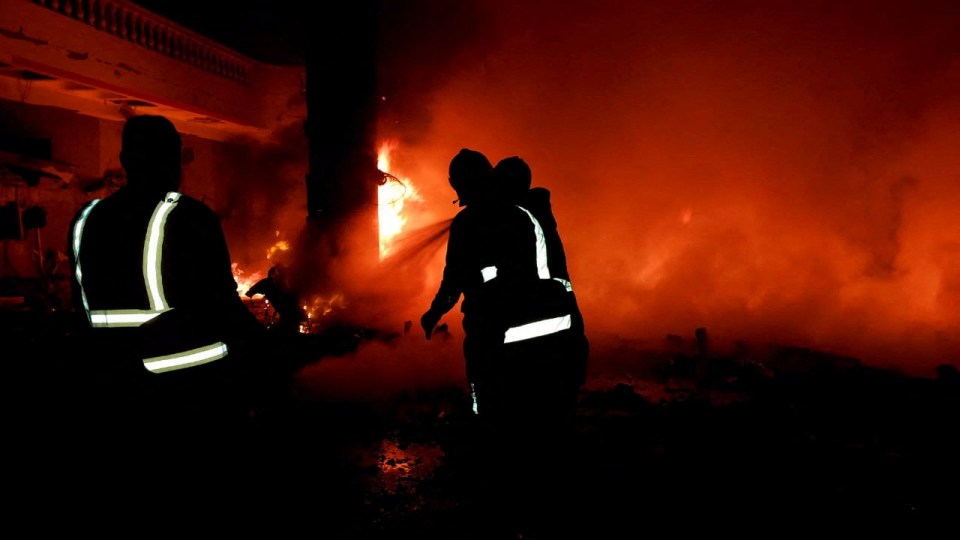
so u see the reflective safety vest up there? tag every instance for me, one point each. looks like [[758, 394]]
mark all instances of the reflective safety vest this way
[[126, 316], [540, 327]]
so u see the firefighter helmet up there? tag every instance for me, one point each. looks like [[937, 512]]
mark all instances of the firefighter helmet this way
[[151, 152], [469, 175], [513, 177]]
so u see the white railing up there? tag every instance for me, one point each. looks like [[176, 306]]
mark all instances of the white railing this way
[[132, 23]]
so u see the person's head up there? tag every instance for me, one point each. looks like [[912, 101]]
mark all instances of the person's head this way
[[470, 175], [150, 153], [512, 177]]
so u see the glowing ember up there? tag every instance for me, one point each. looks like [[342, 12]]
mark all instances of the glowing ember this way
[[319, 307], [392, 195], [401, 466]]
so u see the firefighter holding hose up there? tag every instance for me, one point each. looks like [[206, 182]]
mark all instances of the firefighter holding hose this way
[[523, 337]]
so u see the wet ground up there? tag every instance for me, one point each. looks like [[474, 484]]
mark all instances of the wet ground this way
[[802, 443], [859, 449]]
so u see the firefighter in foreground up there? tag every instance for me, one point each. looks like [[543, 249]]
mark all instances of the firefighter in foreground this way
[[152, 275], [171, 362], [521, 343]]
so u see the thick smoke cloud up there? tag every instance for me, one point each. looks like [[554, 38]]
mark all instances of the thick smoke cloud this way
[[773, 171], [777, 172], [265, 202]]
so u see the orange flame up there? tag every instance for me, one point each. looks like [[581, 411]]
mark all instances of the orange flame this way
[[392, 195], [244, 280], [319, 307], [279, 246]]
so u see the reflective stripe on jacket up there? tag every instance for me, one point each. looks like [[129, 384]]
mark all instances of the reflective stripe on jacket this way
[[541, 327], [153, 282]]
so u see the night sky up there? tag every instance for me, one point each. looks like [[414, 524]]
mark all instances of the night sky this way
[[266, 31]]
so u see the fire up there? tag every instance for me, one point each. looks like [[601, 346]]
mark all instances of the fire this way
[[280, 246], [318, 307], [392, 195], [258, 305], [244, 280]]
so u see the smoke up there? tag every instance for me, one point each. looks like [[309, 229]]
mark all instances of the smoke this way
[[382, 369], [265, 198], [423, 45], [777, 172], [773, 171]]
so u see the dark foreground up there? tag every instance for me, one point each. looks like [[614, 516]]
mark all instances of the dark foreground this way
[[810, 446]]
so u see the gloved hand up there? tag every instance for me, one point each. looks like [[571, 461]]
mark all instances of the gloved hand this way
[[429, 321]]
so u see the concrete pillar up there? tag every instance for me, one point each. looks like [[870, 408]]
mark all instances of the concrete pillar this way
[[341, 86]]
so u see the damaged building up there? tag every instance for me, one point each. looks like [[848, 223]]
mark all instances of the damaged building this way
[[72, 71]]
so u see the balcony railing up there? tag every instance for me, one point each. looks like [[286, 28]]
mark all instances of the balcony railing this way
[[141, 27]]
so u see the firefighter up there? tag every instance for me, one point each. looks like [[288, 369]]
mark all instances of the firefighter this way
[[519, 329], [550, 368], [488, 241], [276, 288], [516, 316], [513, 179], [169, 344]]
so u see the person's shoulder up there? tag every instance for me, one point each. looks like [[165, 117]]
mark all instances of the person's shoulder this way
[[538, 194], [465, 214], [186, 203], [195, 214], [189, 201], [461, 222], [537, 202], [86, 206], [485, 212], [536, 199]]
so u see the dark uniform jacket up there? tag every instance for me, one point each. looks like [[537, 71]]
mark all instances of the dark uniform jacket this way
[[492, 260], [165, 325], [537, 201]]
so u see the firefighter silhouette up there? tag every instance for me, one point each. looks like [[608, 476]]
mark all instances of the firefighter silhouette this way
[[513, 308], [170, 365], [512, 180], [481, 243], [170, 343], [278, 291]]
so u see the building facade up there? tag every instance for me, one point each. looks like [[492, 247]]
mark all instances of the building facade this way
[[71, 71]]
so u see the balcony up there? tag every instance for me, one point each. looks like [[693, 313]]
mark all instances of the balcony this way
[[112, 58]]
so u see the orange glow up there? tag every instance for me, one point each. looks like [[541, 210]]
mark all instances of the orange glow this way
[[732, 177], [391, 197], [319, 307], [280, 246], [244, 280], [399, 464]]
